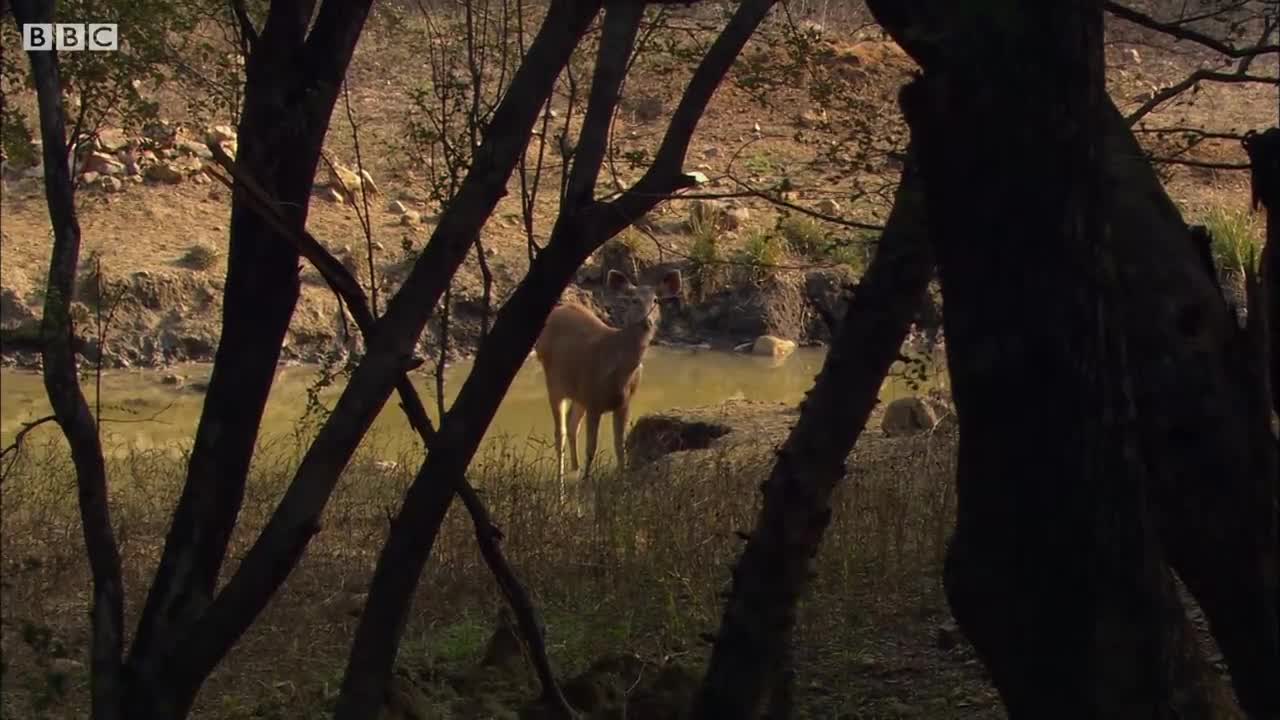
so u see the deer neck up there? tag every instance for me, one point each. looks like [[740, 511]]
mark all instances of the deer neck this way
[[628, 345]]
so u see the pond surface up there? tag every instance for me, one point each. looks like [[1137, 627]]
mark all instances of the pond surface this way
[[140, 411]]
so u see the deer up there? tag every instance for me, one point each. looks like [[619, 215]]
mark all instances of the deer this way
[[592, 368]]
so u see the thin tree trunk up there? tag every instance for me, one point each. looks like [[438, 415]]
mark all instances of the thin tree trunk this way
[[776, 564], [70, 408]]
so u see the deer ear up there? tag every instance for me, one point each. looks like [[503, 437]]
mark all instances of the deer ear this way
[[616, 280], [672, 284]]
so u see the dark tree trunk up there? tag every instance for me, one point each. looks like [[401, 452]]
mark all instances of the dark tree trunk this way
[[1055, 571], [579, 231], [62, 385], [293, 80], [1208, 457], [776, 564]]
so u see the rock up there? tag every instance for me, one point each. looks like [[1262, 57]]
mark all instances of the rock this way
[[829, 207], [656, 435], [699, 178], [191, 147], [397, 207], [103, 163], [160, 132], [410, 217], [811, 118], [369, 184], [412, 196], [173, 379], [13, 311], [220, 134], [110, 185], [89, 178], [773, 347], [333, 195], [164, 173], [711, 152], [908, 416], [112, 140]]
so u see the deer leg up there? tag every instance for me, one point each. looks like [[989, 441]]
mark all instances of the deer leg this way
[[620, 435], [576, 412], [593, 431], [557, 417]]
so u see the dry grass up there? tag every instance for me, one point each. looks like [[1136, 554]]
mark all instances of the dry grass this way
[[635, 565]]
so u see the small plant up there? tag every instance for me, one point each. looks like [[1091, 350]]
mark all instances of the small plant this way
[[1237, 239], [804, 237], [704, 254], [199, 257], [761, 253]]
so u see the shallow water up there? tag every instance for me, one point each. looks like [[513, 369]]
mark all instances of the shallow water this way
[[139, 410]]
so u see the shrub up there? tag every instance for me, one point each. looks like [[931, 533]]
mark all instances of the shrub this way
[[804, 236], [1237, 239], [200, 257], [760, 255]]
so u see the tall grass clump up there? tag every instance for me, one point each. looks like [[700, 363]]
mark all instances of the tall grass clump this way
[[1237, 239]]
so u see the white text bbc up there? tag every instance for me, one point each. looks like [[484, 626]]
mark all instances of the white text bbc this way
[[70, 36]]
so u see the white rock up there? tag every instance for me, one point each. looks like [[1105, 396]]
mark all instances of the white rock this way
[[772, 346]]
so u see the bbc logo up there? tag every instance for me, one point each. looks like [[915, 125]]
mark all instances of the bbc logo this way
[[70, 36]]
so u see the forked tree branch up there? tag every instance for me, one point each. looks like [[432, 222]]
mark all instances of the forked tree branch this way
[[340, 280], [1182, 32], [1195, 78], [63, 387], [277, 549], [501, 355]]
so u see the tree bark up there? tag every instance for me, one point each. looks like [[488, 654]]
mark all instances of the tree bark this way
[[579, 231], [1054, 571], [71, 410], [292, 82], [776, 564], [1208, 481]]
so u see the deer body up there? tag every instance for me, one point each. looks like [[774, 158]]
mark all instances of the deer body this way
[[592, 368]]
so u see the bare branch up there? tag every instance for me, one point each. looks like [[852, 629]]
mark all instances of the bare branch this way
[[1181, 32], [277, 549], [15, 448], [1190, 81]]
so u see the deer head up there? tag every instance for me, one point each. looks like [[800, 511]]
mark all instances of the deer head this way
[[641, 304]]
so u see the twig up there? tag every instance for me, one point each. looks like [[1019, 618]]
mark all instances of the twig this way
[[15, 448], [366, 217]]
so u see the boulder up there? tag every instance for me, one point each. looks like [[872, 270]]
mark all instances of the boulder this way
[[771, 346], [908, 416]]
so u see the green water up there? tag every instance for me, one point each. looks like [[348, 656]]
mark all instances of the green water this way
[[140, 411]]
